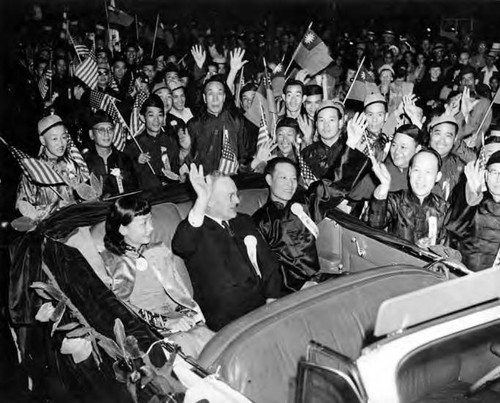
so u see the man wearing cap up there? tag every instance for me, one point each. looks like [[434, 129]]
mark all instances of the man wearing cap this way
[[105, 161], [208, 127], [475, 214], [375, 141], [442, 137], [179, 108], [322, 154], [104, 80], [53, 137], [488, 70]]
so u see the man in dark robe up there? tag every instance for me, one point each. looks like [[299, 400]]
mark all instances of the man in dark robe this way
[[207, 128]]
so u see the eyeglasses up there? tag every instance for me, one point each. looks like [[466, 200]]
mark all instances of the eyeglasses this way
[[103, 73], [104, 130]]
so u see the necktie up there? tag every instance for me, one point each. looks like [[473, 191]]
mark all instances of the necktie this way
[[227, 227]]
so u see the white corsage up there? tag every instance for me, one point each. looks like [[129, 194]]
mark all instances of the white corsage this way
[[117, 173], [79, 348], [45, 312], [173, 123], [251, 245]]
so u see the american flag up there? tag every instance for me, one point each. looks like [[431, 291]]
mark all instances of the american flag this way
[[77, 158], [100, 100], [43, 86], [305, 170], [136, 124], [263, 136], [36, 170], [228, 164], [87, 70], [81, 50]]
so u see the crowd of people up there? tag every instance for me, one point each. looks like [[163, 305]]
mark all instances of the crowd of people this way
[[417, 156]]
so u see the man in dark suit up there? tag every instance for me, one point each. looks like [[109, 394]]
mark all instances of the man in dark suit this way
[[232, 268]]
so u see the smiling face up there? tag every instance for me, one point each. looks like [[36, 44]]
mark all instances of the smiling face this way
[[403, 148], [375, 117], [224, 199], [443, 138], [179, 99], [214, 97], [166, 96], [149, 71], [102, 134], [385, 77], [55, 142], [285, 137], [247, 99], [153, 119], [329, 125], [424, 173], [293, 98], [139, 231], [435, 73], [311, 104], [282, 182]]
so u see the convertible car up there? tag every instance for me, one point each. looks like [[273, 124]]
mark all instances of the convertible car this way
[[79, 343]]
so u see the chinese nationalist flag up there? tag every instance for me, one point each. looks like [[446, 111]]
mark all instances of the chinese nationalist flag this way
[[312, 53], [363, 85]]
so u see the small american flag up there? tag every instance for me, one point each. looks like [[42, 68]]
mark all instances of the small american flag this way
[[228, 164], [36, 170], [100, 100], [136, 124], [305, 170], [77, 158], [263, 135], [81, 50], [43, 85], [87, 70]]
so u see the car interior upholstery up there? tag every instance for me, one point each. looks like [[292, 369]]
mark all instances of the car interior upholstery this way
[[444, 370]]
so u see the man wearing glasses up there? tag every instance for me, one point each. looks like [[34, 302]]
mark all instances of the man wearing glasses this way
[[105, 161]]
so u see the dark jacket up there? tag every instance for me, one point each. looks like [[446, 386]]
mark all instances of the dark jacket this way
[[474, 229], [225, 283], [118, 160], [405, 217], [206, 131], [292, 243], [451, 172], [321, 157], [159, 147]]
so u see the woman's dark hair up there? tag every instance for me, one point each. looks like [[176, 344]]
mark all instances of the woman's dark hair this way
[[122, 212]]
